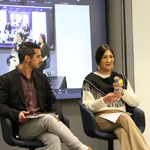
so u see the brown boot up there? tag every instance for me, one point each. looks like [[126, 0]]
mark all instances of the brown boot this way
[[89, 148]]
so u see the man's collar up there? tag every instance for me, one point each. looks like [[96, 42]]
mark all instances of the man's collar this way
[[23, 75]]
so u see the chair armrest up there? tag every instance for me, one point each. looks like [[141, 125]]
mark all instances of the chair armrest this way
[[7, 130], [138, 116]]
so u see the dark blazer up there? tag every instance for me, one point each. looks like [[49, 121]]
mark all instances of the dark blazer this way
[[45, 50], [12, 100]]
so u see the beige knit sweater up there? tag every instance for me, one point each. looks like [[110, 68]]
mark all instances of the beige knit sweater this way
[[97, 105]]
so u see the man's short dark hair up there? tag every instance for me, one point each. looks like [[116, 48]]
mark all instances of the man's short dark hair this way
[[27, 48]]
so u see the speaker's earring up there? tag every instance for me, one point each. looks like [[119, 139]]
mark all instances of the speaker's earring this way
[[98, 68]]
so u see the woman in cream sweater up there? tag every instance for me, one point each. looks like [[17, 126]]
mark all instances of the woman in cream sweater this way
[[107, 98]]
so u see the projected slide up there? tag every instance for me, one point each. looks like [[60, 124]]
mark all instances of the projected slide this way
[[73, 42]]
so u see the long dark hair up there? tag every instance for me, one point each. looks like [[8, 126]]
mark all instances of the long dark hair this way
[[100, 52], [43, 37]]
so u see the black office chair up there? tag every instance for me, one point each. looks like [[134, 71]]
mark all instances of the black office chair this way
[[48, 62], [89, 124], [11, 139], [8, 59]]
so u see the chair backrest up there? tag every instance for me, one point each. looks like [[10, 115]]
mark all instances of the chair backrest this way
[[48, 61], [8, 60]]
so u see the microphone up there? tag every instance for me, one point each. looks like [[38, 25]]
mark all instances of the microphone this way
[[116, 79], [117, 89]]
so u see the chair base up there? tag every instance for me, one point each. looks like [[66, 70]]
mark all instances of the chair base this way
[[29, 148], [110, 145]]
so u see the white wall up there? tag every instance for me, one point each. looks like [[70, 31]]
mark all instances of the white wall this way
[[141, 40]]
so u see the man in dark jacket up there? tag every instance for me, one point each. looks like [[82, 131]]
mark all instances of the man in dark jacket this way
[[23, 92]]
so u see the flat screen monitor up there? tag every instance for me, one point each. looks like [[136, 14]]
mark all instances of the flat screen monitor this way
[[17, 18], [72, 56]]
